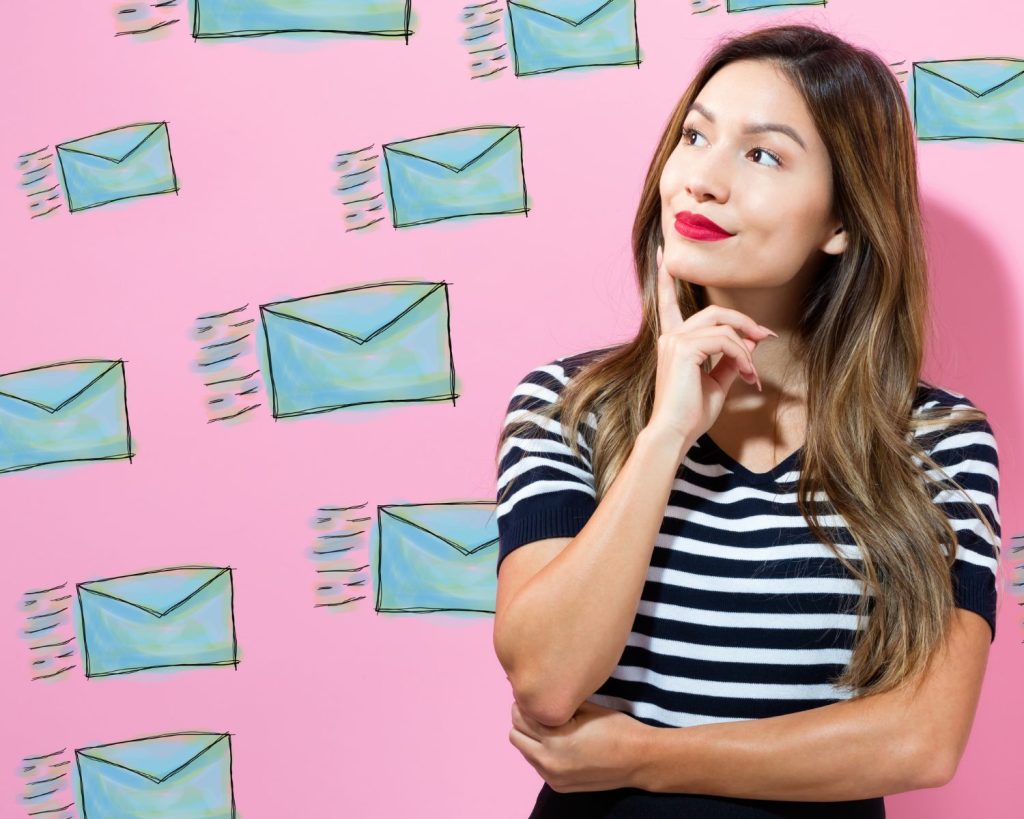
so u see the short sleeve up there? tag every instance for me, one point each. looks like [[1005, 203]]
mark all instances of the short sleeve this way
[[969, 454], [548, 492]]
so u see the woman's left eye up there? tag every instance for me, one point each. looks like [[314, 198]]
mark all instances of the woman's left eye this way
[[772, 154], [688, 132]]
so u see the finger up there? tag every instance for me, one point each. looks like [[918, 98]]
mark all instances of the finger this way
[[732, 348], [525, 724], [716, 314], [525, 745], [670, 317], [757, 376], [725, 372], [747, 345], [739, 348], [531, 752]]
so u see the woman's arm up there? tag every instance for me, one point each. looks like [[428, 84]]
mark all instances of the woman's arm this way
[[562, 634], [909, 738]]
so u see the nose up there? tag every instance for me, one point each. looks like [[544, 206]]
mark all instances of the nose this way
[[706, 175]]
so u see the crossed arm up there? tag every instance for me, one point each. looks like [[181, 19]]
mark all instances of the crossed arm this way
[[909, 738]]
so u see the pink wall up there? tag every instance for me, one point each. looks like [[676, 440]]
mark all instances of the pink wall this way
[[354, 712]]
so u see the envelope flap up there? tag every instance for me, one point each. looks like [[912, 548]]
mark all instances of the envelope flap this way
[[51, 386], [157, 592], [156, 758], [468, 527], [358, 313], [977, 76], [115, 144], [454, 150], [573, 12]]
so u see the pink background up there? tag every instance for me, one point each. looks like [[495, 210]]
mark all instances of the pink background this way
[[353, 712]]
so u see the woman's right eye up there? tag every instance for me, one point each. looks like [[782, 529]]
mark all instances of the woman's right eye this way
[[687, 132]]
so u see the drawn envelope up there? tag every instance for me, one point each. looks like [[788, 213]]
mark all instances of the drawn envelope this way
[[752, 5], [70, 411], [549, 35], [118, 164], [962, 99], [251, 18], [372, 344], [466, 172], [167, 776], [437, 557], [180, 616]]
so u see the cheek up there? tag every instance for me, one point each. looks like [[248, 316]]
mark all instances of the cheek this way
[[665, 185], [670, 183], [781, 214], [777, 244], [798, 203]]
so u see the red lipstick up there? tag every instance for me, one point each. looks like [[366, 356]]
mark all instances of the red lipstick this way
[[694, 226]]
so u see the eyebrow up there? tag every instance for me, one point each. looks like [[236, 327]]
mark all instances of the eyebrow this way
[[753, 127]]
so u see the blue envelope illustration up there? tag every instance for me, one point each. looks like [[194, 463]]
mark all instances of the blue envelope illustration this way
[[753, 5], [964, 99], [550, 35], [466, 172], [436, 557], [372, 344], [119, 164], [71, 411], [170, 776], [253, 18], [180, 616]]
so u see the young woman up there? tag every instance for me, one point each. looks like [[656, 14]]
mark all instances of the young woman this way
[[771, 595]]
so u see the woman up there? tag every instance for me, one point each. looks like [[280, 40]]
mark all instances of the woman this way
[[768, 596]]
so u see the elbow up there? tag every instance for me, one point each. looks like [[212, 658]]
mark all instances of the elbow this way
[[942, 773], [536, 698], [933, 766], [931, 777], [538, 703], [542, 709]]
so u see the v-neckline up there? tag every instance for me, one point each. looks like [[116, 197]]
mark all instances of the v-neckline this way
[[773, 474]]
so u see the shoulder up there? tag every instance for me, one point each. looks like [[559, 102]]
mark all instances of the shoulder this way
[[577, 361], [932, 395], [547, 379], [968, 444]]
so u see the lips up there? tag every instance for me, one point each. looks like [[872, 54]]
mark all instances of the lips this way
[[693, 224], [696, 220]]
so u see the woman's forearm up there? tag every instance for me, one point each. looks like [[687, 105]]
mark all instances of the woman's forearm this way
[[564, 632], [854, 749]]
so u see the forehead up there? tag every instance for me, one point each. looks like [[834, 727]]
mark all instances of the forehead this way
[[753, 91]]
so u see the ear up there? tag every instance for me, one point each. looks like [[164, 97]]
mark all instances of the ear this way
[[836, 241]]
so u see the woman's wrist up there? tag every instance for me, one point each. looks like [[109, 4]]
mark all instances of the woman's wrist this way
[[660, 438], [644, 751]]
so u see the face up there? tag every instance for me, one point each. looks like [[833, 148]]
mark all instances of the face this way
[[772, 193]]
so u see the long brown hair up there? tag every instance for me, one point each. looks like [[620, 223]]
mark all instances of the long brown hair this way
[[860, 342]]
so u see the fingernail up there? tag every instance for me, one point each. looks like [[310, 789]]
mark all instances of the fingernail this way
[[768, 331]]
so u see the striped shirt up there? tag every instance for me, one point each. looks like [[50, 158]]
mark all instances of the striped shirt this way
[[744, 614]]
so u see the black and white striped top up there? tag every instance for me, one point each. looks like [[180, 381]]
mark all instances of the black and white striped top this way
[[744, 614]]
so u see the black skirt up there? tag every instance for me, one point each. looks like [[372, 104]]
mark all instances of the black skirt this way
[[634, 803]]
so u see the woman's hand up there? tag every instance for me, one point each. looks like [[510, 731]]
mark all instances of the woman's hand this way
[[686, 399], [598, 749]]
